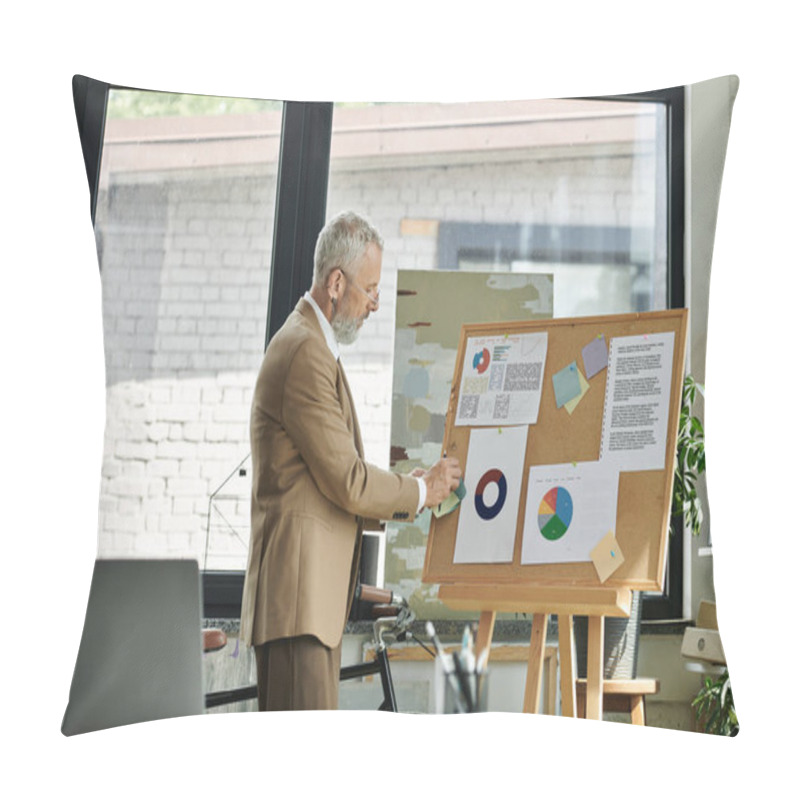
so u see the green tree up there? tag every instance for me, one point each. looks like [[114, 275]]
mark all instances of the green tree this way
[[135, 104]]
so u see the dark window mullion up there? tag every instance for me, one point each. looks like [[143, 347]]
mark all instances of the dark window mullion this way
[[300, 206], [90, 98], [669, 605]]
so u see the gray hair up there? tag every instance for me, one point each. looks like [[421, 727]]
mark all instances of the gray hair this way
[[341, 242]]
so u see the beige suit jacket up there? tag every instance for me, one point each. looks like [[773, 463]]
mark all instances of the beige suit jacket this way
[[312, 491]]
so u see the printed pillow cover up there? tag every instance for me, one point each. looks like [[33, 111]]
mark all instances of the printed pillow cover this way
[[183, 212]]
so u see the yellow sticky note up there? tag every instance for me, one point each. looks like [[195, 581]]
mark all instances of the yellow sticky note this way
[[607, 556]]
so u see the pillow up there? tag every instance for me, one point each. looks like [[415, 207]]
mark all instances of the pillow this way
[[183, 209]]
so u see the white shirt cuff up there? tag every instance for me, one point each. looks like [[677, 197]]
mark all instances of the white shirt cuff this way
[[423, 494]]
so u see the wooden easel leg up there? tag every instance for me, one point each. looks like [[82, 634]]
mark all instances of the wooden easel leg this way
[[637, 710], [551, 661], [594, 669], [483, 639], [566, 658], [533, 681], [580, 708]]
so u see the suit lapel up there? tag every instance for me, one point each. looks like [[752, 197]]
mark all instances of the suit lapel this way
[[356, 430], [305, 310]]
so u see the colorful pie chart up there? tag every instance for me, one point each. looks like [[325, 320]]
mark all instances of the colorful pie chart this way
[[555, 513], [480, 361]]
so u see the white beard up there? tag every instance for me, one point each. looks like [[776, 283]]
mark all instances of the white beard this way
[[345, 329]]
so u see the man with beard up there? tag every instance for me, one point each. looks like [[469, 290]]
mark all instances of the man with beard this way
[[313, 493]]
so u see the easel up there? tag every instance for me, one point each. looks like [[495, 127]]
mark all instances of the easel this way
[[643, 507], [541, 602]]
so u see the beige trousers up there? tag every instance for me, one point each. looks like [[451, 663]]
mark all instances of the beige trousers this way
[[297, 674]]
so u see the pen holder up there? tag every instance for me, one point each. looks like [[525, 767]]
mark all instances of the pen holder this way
[[453, 696], [478, 686]]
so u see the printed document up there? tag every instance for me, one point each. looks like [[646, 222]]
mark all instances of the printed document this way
[[636, 409], [501, 380]]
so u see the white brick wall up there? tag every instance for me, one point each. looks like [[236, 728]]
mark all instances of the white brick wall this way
[[185, 283]]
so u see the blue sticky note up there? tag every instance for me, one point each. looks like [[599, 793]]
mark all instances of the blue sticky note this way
[[566, 384], [595, 356]]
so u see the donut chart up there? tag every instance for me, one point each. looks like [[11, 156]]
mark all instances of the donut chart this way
[[555, 513], [480, 361], [486, 512]]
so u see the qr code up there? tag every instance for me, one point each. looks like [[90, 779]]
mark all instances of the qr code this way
[[469, 406], [496, 377], [523, 377], [501, 404]]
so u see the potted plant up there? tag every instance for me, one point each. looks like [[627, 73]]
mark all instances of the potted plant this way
[[714, 707], [713, 704], [690, 463]]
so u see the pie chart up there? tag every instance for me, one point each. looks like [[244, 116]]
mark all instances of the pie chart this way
[[555, 513], [480, 361], [490, 511]]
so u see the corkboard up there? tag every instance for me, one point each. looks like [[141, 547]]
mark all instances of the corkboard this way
[[644, 498]]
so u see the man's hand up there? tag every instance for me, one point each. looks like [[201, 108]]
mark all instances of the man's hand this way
[[441, 479]]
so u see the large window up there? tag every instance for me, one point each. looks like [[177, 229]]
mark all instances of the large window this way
[[572, 188], [184, 215], [576, 189], [206, 212]]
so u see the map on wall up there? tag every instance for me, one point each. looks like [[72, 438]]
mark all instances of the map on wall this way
[[430, 309]]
